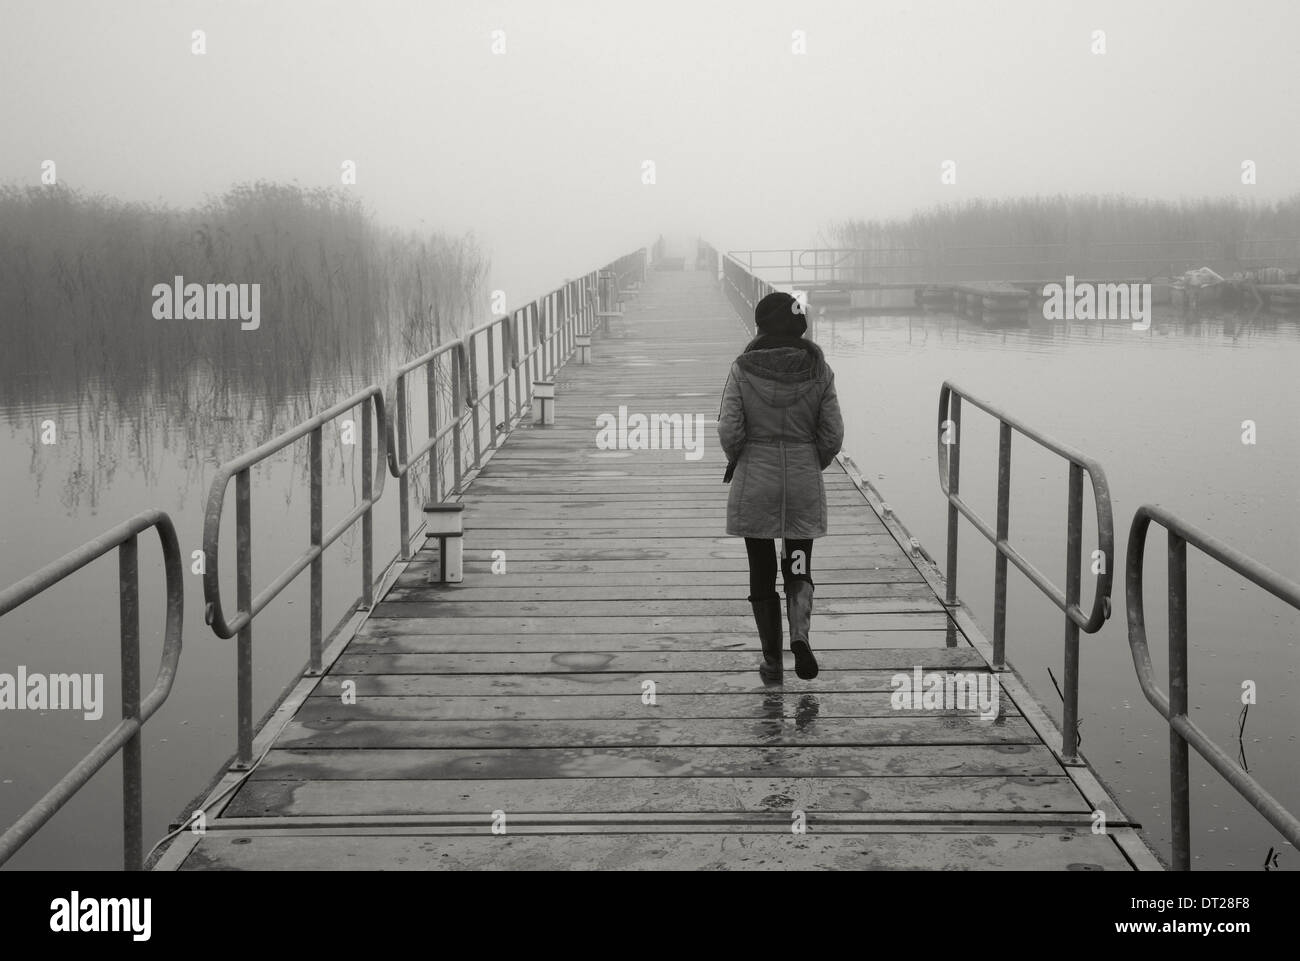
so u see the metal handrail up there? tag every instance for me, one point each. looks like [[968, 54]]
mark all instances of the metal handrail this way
[[732, 288], [1067, 600], [940, 264], [535, 340], [1173, 706], [371, 399], [399, 462], [125, 736]]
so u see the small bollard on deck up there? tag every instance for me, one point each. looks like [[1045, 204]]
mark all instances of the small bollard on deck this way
[[544, 394], [583, 343], [445, 522]]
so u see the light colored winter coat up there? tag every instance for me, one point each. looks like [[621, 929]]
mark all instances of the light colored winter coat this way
[[780, 424]]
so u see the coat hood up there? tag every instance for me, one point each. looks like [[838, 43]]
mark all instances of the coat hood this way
[[782, 369]]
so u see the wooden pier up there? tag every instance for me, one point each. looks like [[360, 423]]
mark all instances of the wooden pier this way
[[597, 704]]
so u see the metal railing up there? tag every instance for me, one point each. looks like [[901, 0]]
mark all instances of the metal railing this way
[[1020, 263], [528, 345], [125, 736], [1067, 600], [546, 342], [743, 289], [1173, 706], [371, 402]]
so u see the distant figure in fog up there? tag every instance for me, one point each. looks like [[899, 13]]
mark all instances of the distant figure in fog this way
[[780, 427]]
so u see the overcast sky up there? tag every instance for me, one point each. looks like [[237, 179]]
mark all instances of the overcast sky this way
[[540, 150]]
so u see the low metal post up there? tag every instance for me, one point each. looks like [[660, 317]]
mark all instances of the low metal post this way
[[544, 394], [445, 523]]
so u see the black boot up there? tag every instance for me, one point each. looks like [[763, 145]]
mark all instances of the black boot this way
[[798, 603], [767, 615]]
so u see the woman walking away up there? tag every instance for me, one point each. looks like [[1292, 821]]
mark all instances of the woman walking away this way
[[780, 427]]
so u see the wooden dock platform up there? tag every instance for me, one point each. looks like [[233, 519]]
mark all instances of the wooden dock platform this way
[[508, 723]]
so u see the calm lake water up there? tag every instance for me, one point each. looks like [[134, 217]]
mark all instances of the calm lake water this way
[[1162, 412]]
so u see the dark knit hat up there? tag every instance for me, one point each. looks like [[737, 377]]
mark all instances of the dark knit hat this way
[[779, 313]]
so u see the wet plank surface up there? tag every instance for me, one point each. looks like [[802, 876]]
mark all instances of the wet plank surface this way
[[601, 694]]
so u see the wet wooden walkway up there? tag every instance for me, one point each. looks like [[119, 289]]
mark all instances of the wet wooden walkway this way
[[504, 723]]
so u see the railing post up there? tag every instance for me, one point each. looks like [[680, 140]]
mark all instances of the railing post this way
[[368, 410], [318, 562], [1179, 788], [132, 788], [551, 351], [476, 412], [403, 482], [1000, 559], [431, 405], [492, 379], [507, 339], [244, 604], [458, 415], [534, 362], [562, 307], [520, 333], [954, 481], [1073, 572]]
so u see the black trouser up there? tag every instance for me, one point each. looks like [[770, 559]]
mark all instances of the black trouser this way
[[762, 564]]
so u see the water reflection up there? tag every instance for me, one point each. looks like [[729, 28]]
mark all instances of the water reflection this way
[[87, 365], [1163, 411]]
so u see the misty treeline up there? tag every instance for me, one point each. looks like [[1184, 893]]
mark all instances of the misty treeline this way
[[1077, 222], [342, 297]]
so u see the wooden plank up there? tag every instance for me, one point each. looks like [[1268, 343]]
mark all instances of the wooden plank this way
[[849, 580], [415, 605], [624, 529], [1048, 850], [562, 641], [413, 586], [570, 661], [656, 624], [654, 761], [862, 732], [788, 704], [853, 567], [556, 684], [597, 552], [279, 798]]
